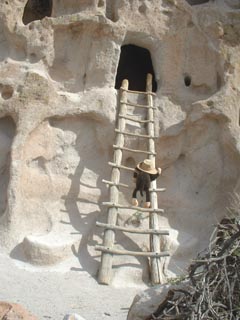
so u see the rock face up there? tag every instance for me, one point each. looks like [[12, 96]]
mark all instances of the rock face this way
[[59, 61]]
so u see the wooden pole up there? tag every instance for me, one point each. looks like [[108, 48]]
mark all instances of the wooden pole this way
[[122, 206], [156, 272], [132, 230], [105, 271], [131, 253]]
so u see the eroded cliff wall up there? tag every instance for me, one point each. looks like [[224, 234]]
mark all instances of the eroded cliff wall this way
[[58, 104]]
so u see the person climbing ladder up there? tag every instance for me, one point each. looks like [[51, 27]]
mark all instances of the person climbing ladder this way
[[144, 173]]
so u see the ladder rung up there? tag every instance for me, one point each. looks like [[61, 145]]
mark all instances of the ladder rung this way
[[134, 120], [132, 230], [115, 184], [117, 205], [127, 186], [146, 106], [158, 190], [133, 150], [132, 114], [141, 92], [134, 134], [132, 253], [120, 166]]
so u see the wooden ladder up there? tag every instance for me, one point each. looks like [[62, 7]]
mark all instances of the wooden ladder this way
[[107, 249]]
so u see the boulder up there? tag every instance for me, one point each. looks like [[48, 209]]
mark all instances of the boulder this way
[[14, 311]]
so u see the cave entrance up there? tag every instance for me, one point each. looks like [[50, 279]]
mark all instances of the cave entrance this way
[[37, 10], [196, 2], [134, 64]]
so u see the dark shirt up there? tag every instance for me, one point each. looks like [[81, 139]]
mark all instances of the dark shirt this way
[[143, 180]]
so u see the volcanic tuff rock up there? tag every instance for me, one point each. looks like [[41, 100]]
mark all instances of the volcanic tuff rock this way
[[58, 106]]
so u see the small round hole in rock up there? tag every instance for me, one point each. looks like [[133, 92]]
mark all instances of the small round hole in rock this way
[[190, 24], [130, 162], [142, 9], [7, 92], [101, 3], [33, 57], [187, 80], [210, 103]]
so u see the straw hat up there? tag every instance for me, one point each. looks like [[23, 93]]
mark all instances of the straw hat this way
[[147, 166]]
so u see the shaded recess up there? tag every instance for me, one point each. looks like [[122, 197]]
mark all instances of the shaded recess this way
[[7, 133], [66, 7], [37, 10], [134, 64], [110, 11], [195, 2], [101, 3], [6, 91], [187, 80], [4, 42]]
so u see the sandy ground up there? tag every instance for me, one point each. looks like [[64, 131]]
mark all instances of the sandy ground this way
[[52, 293]]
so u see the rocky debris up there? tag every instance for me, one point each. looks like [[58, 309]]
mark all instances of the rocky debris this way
[[14, 311]]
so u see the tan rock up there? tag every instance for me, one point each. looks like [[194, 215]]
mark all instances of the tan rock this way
[[14, 311]]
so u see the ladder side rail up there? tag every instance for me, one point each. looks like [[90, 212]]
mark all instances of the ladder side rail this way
[[156, 272], [105, 271]]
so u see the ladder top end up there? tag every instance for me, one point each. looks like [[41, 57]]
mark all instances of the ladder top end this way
[[124, 84]]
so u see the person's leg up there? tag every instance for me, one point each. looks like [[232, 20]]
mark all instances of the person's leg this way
[[134, 197], [147, 204]]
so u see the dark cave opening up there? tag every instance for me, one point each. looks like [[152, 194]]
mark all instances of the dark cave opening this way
[[37, 10], [134, 65], [196, 2], [187, 80]]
